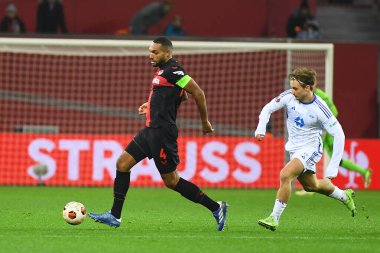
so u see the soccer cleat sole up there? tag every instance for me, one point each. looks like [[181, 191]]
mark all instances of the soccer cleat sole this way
[[99, 221], [353, 212], [367, 178], [271, 228]]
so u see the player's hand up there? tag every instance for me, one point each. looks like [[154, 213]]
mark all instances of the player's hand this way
[[143, 108], [184, 96], [259, 137], [207, 127]]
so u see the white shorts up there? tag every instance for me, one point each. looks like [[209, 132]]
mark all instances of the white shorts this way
[[309, 158]]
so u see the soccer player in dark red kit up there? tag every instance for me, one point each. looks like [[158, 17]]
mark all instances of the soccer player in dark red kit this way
[[158, 140]]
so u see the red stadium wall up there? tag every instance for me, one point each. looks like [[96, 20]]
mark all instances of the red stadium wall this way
[[228, 162], [355, 88], [253, 18]]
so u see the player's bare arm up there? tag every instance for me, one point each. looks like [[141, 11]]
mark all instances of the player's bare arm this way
[[193, 88], [143, 108]]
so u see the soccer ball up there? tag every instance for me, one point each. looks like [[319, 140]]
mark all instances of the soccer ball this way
[[74, 213]]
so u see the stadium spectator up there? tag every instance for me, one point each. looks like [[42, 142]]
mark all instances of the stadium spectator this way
[[310, 30], [307, 116], [149, 16], [50, 17], [297, 20], [175, 28], [11, 22], [158, 140]]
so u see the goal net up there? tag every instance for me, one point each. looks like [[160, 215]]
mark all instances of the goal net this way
[[68, 108]]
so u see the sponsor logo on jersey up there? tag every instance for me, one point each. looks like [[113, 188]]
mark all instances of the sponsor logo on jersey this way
[[180, 73], [278, 99], [156, 80], [299, 122]]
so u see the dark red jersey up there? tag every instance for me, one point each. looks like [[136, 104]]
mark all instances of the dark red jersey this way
[[165, 95]]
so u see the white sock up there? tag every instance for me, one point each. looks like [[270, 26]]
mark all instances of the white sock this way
[[278, 208], [338, 194]]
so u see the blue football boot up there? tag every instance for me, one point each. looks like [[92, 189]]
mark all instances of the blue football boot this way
[[221, 215], [106, 218]]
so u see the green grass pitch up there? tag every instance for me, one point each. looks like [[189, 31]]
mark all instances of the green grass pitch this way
[[160, 220]]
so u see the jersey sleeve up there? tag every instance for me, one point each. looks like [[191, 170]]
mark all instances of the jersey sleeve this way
[[177, 75], [333, 127], [274, 105]]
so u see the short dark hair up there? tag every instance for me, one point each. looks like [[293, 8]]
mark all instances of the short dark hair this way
[[304, 76], [164, 42]]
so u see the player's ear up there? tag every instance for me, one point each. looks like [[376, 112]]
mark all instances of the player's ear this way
[[169, 53]]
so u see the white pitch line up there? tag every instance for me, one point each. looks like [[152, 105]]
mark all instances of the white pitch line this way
[[202, 236]]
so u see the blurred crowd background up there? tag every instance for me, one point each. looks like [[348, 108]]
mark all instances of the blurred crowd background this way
[[241, 18]]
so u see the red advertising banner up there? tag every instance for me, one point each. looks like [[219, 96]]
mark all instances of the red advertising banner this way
[[365, 153], [225, 162], [88, 160]]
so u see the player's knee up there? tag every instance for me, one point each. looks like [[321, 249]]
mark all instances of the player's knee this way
[[285, 176], [171, 179], [171, 183], [123, 164]]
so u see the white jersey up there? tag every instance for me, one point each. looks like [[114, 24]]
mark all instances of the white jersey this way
[[305, 122]]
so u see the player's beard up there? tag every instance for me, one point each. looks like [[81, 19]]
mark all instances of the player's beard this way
[[158, 63]]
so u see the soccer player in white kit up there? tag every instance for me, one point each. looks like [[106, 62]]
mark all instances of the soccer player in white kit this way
[[307, 115]]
